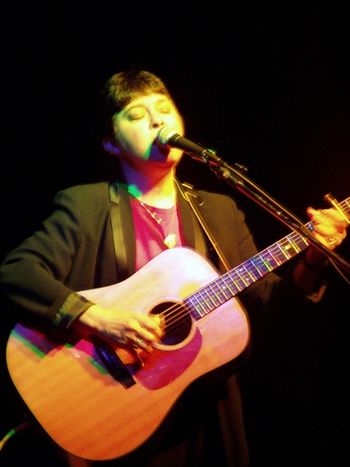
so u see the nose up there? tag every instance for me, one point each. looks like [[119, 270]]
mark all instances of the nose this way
[[157, 121]]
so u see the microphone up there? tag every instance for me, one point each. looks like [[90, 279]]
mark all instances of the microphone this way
[[168, 137]]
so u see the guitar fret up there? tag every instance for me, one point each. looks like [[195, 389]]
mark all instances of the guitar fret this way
[[213, 299], [188, 302], [261, 265], [250, 276], [301, 242], [293, 245], [254, 269], [240, 272], [204, 295], [197, 305], [284, 252], [228, 284], [239, 286], [346, 202], [266, 263], [203, 301], [224, 288], [342, 211], [274, 263], [215, 296], [219, 292]]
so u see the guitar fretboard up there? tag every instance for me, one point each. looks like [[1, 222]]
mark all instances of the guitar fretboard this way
[[214, 294]]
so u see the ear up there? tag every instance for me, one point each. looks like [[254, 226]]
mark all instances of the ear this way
[[111, 147]]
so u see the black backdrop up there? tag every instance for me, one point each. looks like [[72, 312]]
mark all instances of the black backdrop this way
[[267, 86]]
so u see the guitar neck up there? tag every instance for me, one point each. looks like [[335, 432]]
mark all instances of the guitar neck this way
[[214, 294]]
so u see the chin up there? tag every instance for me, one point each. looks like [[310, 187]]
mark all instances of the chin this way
[[164, 156]]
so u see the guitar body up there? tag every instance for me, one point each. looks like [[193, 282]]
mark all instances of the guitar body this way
[[90, 413]]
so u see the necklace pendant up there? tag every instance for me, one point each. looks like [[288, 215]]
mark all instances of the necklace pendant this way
[[170, 240]]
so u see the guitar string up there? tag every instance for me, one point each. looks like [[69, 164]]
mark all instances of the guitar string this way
[[171, 311], [176, 312]]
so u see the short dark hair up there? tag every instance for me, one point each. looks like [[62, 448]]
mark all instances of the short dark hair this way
[[121, 89]]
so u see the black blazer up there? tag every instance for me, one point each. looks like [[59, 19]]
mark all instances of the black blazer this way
[[88, 242]]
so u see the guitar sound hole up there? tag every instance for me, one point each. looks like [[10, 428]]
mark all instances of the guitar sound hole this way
[[176, 322]]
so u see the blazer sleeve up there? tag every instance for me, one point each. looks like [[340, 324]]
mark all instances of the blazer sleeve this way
[[33, 276]]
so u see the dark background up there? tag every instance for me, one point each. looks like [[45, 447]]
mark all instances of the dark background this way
[[265, 85]]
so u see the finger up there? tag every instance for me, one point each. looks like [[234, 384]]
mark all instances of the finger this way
[[148, 335], [153, 324], [328, 223], [334, 229], [139, 342], [329, 241], [332, 242], [330, 215]]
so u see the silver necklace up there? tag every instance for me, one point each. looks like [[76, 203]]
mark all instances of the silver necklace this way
[[171, 238]]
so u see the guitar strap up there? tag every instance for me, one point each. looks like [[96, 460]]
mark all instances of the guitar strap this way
[[229, 408], [193, 199]]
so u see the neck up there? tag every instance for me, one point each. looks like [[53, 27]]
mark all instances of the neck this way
[[155, 189]]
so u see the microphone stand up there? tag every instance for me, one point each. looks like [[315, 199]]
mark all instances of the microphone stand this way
[[235, 176]]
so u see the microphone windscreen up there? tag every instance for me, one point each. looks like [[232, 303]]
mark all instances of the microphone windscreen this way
[[165, 134]]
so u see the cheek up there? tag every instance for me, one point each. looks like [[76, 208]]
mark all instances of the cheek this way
[[133, 140], [178, 125]]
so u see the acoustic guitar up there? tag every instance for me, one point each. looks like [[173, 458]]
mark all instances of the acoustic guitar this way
[[101, 403]]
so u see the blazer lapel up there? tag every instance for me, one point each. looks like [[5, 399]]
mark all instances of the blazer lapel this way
[[123, 230]]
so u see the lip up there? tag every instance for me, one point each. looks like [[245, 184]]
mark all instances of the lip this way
[[159, 152], [163, 149]]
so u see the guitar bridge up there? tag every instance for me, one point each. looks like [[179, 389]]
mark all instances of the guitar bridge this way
[[113, 363]]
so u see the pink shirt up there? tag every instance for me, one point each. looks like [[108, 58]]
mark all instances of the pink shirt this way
[[150, 232]]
